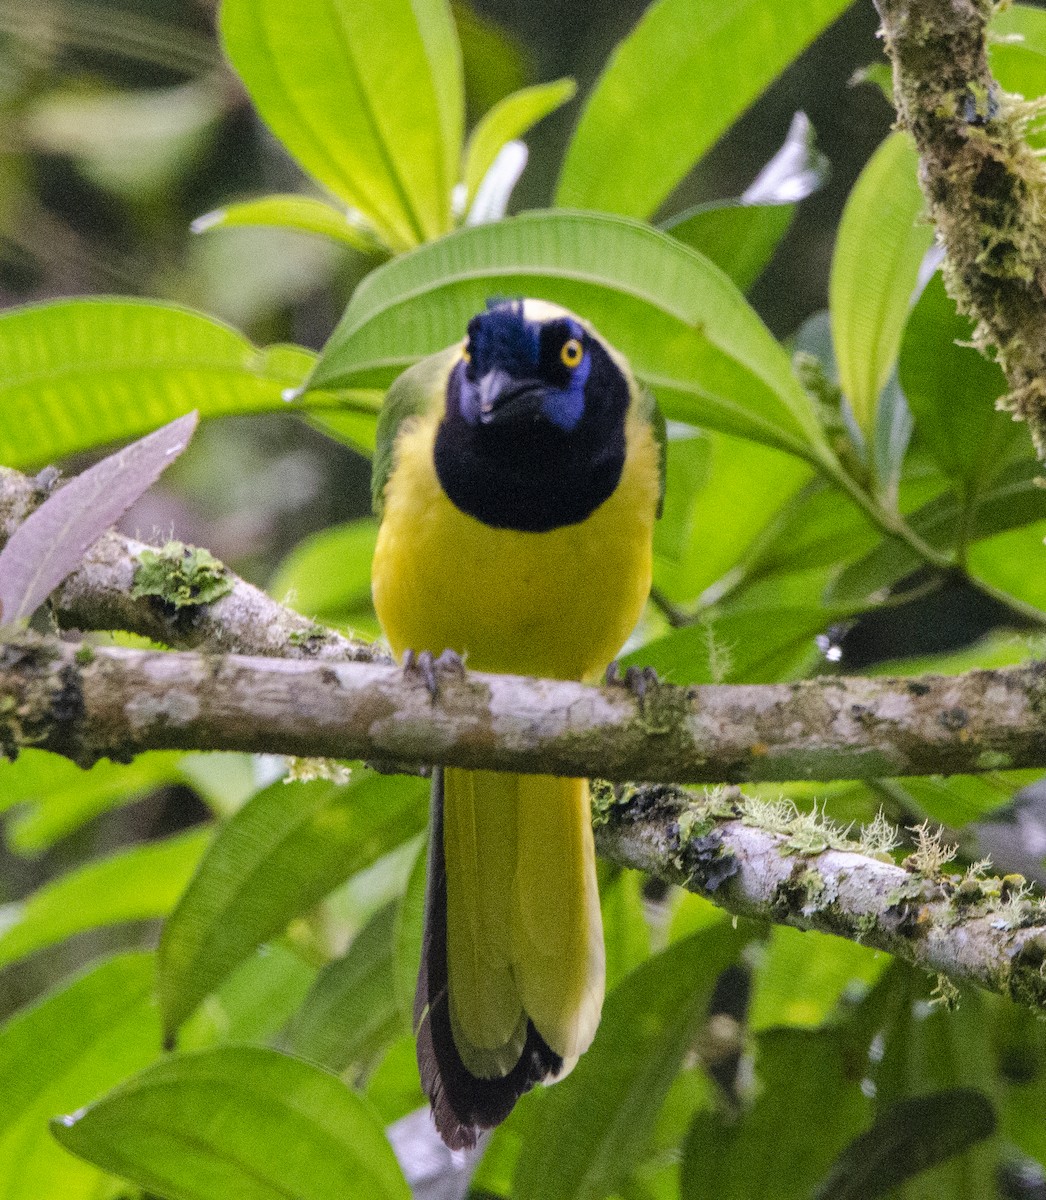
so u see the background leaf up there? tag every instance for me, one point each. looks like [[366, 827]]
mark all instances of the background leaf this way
[[351, 1014], [382, 131], [687, 331], [907, 1139], [952, 390], [82, 373], [52, 540], [878, 251], [510, 118], [137, 884], [238, 1122], [303, 213], [61, 1053], [277, 857], [611, 1099], [644, 126]]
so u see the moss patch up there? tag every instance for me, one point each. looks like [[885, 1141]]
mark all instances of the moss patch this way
[[181, 576]]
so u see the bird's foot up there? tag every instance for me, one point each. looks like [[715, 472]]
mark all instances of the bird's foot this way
[[430, 668], [640, 681]]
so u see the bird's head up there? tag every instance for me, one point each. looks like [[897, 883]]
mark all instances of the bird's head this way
[[533, 432]]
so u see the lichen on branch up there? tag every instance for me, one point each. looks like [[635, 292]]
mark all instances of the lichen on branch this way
[[985, 186]]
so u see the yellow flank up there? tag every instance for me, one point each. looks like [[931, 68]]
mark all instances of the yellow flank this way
[[557, 604]]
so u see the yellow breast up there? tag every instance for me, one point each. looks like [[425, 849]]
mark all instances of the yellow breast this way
[[557, 604]]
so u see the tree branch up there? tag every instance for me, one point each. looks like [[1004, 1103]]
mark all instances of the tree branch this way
[[89, 703], [100, 595], [985, 187], [772, 863]]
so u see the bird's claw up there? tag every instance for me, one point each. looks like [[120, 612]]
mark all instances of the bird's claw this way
[[640, 681], [430, 668]]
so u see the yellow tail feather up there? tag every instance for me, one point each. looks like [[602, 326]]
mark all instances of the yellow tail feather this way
[[524, 932]]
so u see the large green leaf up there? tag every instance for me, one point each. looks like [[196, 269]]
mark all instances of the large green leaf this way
[[1017, 53], [745, 645], [809, 1106], [351, 1014], [803, 976], [61, 1053], [367, 99], [510, 118], [1011, 500], [687, 71], [327, 575], [1014, 561], [588, 1133], [739, 238], [952, 391], [238, 1122], [54, 796], [721, 493], [688, 332], [131, 885], [910, 1137], [878, 252], [929, 1049], [81, 373], [278, 856]]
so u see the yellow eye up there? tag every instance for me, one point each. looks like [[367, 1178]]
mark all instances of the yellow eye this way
[[466, 354], [572, 353]]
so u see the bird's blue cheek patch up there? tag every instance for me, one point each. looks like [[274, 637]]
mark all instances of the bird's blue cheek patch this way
[[565, 407]]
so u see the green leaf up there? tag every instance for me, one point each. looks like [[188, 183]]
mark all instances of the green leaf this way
[[721, 494], [929, 1049], [803, 976], [739, 238], [409, 933], [368, 100], [81, 373], [276, 858], [327, 576], [809, 1106], [1017, 54], [61, 1053], [1013, 499], [510, 118], [1014, 562], [687, 71], [746, 645], [907, 1139], [351, 1014], [238, 1122], [878, 251], [688, 332], [952, 390], [303, 213], [956, 800], [54, 796], [131, 885], [254, 1004], [589, 1131]]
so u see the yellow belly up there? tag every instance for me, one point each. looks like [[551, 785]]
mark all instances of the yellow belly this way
[[557, 604]]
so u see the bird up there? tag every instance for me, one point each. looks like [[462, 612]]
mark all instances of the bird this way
[[517, 477]]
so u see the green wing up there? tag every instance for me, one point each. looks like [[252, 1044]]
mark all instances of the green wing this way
[[651, 410], [418, 390]]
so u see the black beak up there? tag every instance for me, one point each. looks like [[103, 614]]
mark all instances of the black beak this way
[[503, 398]]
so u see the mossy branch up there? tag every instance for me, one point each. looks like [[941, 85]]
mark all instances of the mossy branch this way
[[173, 594], [770, 862], [985, 186]]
